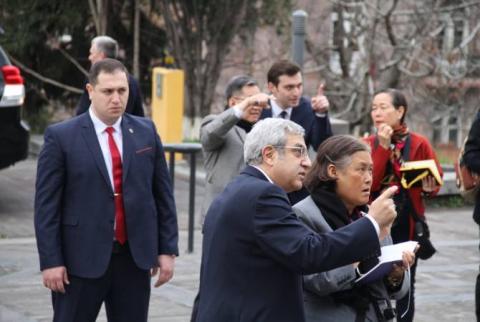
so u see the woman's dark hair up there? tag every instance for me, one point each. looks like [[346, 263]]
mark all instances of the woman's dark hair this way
[[398, 99], [336, 150]]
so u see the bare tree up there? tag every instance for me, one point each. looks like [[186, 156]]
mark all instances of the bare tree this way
[[99, 10], [428, 48], [45, 79], [200, 33], [136, 40]]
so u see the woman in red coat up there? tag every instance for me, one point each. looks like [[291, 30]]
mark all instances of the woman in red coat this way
[[391, 145]]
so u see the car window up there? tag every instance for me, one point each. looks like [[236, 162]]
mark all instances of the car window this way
[[3, 61], [3, 58]]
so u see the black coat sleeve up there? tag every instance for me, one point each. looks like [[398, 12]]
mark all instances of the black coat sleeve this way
[[284, 238], [134, 104], [83, 103], [472, 147], [321, 130]]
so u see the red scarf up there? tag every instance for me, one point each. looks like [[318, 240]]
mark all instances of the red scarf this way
[[393, 175]]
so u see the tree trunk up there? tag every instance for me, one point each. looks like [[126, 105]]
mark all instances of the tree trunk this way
[[136, 41], [200, 34], [99, 11]]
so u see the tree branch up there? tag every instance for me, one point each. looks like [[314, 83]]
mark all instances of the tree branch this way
[[470, 37], [437, 10], [45, 79], [93, 10], [388, 23], [73, 61]]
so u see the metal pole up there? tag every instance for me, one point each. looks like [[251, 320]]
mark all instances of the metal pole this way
[[298, 36], [191, 201]]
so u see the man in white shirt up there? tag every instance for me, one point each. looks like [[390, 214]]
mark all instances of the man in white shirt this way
[[105, 217], [285, 82]]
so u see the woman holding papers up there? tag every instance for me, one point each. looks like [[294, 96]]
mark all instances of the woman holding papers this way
[[339, 185], [392, 145]]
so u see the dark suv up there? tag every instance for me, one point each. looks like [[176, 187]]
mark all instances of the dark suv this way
[[14, 134]]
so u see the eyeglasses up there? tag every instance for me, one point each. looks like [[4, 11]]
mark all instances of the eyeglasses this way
[[298, 151]]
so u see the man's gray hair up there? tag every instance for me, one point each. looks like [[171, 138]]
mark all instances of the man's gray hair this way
[[270, 131], [106, 45]]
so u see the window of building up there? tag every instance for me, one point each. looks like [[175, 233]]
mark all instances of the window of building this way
[[445, 129]]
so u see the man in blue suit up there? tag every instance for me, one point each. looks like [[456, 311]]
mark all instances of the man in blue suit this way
[[255, 248], [285, 82], [105, 217], [106, 47]]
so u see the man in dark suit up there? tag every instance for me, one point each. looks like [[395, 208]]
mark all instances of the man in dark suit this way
[[105, 217], [471, 158], [222, 138], [285, 82], [106, 47], [255, 248]]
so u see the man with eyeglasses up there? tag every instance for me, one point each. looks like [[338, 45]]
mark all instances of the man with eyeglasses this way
[[222, 135], [255, 249]]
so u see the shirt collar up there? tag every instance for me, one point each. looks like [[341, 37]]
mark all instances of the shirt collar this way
[[276, 109], [100, 126], [263, 172]]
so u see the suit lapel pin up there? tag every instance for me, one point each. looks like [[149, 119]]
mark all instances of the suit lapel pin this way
[[130, 130]]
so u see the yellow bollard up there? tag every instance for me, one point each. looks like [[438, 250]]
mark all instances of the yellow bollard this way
[[167, 104]]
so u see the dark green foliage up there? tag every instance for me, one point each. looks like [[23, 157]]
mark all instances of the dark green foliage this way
[[31, 31], [33, 27]]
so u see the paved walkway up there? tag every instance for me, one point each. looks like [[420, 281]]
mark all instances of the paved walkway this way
[[445, 288], [24, 299], [444, 291]]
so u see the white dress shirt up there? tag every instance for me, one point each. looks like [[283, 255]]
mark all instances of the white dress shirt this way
[[276, 110], [102, 137]]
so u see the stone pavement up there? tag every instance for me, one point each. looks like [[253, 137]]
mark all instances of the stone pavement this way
[[24, 299], [445, 287], [446, 282], [22, 295]]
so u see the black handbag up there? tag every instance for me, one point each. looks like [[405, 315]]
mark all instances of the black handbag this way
[[422, 235], [422, 232]]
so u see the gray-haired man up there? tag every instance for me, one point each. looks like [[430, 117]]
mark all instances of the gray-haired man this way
[[255, 248], [106, 47]]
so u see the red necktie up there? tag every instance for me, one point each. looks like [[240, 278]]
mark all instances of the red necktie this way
[[120, 227]]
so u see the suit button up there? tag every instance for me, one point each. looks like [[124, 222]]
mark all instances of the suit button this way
[[111, 221]]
